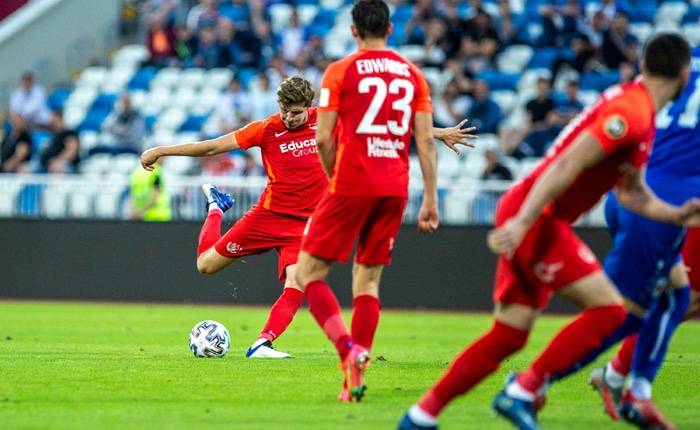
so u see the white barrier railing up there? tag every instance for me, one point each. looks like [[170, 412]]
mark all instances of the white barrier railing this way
[[107, 197]]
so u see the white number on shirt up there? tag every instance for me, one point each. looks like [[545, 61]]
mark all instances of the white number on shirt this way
[[403, 105], [689, 117]]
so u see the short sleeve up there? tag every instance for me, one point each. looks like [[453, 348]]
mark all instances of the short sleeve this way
[[422, 102], [619, 124], [329, 96], [251, 135]]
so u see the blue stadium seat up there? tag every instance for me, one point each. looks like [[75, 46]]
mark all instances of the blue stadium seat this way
[[325, 17], [58, 98], [643, 11], [246, 75], [193, 123], [402, 14], [40, 138], [142, 79], [104, 101], [234, 13], [692, 16], [500, 80], [543, 58], [598, 81], [29, 199], [149, 121], [93, 120]]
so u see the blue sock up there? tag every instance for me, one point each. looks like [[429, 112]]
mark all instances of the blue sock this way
[[631, 325], [657, 330]]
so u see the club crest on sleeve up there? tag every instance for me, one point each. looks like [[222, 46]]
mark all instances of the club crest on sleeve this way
[[615, 127], [233, 247]]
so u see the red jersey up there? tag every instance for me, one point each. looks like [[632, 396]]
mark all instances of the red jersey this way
[[296, 180], [376, 94], [623, 122]]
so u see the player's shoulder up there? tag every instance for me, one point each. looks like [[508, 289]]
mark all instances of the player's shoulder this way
[[338, 67], [631, 99]]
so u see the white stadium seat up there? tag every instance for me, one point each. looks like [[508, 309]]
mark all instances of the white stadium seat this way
[[192, 78], [183, 98], [671, 11], [92, 77], [279, 15], [514, 58], [167, 77], [217, 79], [171, 119], [307, 13], [81, 98], [116, 79], [641, 30], [505, 99], [130, 56], [692, 33], [54, 201]]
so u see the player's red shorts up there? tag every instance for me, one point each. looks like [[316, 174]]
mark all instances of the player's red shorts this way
[[550, 257], [339, 220], [691, 257], [261, 230]]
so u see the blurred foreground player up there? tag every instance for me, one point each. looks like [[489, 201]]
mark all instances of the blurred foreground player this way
[[369, 104], [604, 147]]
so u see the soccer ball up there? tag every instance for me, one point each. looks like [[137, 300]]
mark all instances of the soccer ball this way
[[209, 339]]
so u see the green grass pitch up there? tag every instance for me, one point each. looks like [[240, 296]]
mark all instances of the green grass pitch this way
[[115, 366]]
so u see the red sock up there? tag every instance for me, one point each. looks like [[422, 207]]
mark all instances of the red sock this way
[[622, 362], [573, 342], [365, 318], [326, 311], [282, 313], [475, 363], [211, 231]]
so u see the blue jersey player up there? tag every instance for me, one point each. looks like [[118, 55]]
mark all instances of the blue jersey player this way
[[645, 264]]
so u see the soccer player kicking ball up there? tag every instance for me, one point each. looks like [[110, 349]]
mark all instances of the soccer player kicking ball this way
[[296, 182], [369, 103], [605, 146]]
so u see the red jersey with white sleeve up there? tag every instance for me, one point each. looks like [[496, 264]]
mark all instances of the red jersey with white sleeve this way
[[376, 94], [296, 180], [623, 122]]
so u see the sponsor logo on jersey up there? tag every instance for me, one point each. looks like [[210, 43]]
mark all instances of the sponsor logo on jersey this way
[[615, 127], [281, 133], [233, 247], [384, 148], [382, 65], [546, 272], [299, 148]]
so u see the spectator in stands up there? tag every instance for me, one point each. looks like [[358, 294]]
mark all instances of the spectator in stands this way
[[484, 114], [230, 51], [415, 30], [167, 11], [628, 72], [594, 29], [62, 155], [28, 109], [251, 168], [127, 127], [292, 37], [619, 45], [263, 97], [202, 14], [160, 42], [538, 122], [184, 45], [150, 200], [277, 71], [471, 57], [16, 147], [505, 24], [233, 110], [582, 60], [480, 29], [451, 107], [567, 108], [454, 25], [254, 45], [494, 169], [208, 54], [461, 75], [302, 66], [436, 43]]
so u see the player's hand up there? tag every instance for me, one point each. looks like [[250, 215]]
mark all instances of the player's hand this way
[[453, 136], [428, 218], [149, 158], [689, 215], [505, 240]]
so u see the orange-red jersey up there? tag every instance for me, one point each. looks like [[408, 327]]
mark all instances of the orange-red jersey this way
[[622, 120], [376, 94], [296, 180]]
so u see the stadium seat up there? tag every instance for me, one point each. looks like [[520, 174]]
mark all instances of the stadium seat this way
[[96, 164], [505, 99], [130, 56], [104, 102], [500, 80], [138, 98], [116, 79], [193, 123], [413, 53], [514, 58], [641, 30], [88, 140], [29, 199], [8, 197], [192, 77], [643, 11], [178, 165], [40, 138], [142, 79], [93, 120], [436, 78], [125, 163], [92, 77], [54, 201], [692, 16], [217, 79], [73, 116], [205, 102], [234, 13], [80, 202], [671, 11], [307, 13], [58, 97], [692, 33], [183, 98], [599, 81], [331, 4], [156, 100], [543, 58], [667, 27], [588, 97], [279, 15], [167, 77], [246, 75], [171, 119], [81, 98], [107, 203]]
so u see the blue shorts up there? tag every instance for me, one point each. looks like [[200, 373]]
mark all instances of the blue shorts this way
[[642, 254]]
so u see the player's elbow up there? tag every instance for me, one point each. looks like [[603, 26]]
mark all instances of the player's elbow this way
[[205, 267]]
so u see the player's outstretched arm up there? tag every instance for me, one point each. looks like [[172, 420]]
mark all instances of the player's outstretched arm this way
[[428, 218], [325, 124], [453, 136], [634, 194], [559, 175], [203, 148]]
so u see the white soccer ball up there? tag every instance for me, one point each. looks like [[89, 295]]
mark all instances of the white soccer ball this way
[[209, 339]]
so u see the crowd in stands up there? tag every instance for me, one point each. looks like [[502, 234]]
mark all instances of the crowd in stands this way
[[572, 43]]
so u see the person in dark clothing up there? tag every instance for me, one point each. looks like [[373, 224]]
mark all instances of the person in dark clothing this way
[[62, 155], [16, 148], [619, 45]]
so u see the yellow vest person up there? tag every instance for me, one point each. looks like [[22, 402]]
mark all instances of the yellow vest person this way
[[150, 200]]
